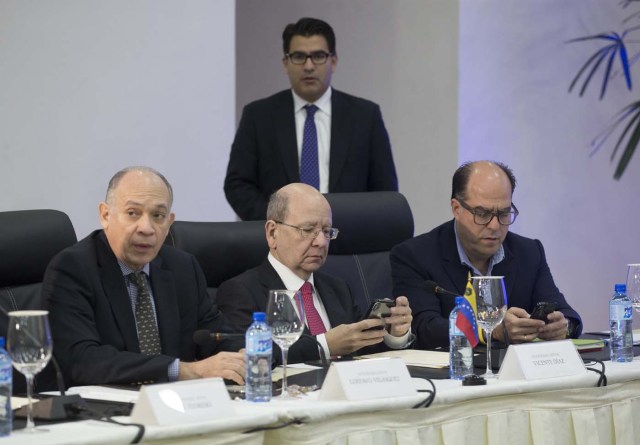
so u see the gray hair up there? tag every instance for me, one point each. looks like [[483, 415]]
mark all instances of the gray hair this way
[[277, 207], [115, 180]]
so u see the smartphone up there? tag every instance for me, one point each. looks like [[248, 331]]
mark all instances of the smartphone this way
[[381, 309], [543, 309]]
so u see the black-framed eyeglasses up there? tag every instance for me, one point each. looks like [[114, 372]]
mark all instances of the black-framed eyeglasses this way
[[300, 58], [482, 216], [312, 232]]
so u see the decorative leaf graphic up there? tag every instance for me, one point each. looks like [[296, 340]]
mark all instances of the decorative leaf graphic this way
[[615, 46]]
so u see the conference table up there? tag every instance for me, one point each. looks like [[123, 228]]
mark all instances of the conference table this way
[[566, 410]]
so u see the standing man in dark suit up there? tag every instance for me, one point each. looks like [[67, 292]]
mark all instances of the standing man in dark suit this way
[[341, 145], [298, 232], [478, 241], [124, 306]]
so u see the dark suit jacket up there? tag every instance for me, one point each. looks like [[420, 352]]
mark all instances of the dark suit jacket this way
[[241, 296], [92, 323], [434, 256], [264, 154]]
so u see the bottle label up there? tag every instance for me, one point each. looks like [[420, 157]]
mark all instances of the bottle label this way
[[620, 312], [6, 373], [263, 346]]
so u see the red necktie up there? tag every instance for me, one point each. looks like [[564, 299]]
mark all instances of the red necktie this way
[[316, 326]]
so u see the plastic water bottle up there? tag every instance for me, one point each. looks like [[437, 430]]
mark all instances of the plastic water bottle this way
[[460, 351], [259, 348], [6, 374], [620, 318]]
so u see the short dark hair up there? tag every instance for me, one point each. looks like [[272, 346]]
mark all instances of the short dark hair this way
[[462, 174], [308, 27], [115, 180]]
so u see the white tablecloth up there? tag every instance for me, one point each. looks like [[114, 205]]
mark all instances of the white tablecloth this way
[[561, 411]]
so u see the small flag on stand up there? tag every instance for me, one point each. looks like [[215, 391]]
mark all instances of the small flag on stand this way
[[466, 320]]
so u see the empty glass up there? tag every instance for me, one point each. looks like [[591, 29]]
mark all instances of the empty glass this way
[[285, 316], [491, 302], [633, 285]]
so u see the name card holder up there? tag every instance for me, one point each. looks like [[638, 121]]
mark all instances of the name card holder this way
[[367, 379], [181, 402], [539, 360]]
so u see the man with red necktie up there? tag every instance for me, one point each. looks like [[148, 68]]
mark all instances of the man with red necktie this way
[[298, 232]]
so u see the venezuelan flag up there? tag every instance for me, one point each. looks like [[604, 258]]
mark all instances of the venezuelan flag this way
[[467, 323]]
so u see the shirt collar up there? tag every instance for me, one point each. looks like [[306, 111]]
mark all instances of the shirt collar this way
[[126, 270], [323, 103], [465, 261], [291, 280]]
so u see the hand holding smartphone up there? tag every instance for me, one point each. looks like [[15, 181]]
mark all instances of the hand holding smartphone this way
[[543, 309], [381, 309]]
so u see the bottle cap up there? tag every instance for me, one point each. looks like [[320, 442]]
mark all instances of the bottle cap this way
[[2, 343], [620, 288], [459, 300], [259, 316]]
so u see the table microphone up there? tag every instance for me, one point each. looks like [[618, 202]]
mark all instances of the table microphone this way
[[432, 287], [204, 337]]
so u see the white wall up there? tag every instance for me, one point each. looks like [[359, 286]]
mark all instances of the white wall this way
[[515, 70], [88, 87]]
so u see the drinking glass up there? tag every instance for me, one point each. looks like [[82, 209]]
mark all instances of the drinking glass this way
[[29, 345], [491, 302], [633, 285], [285, 315]]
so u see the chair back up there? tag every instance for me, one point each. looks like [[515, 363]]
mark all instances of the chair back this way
[[29, 239], [370, 224], [223, 249]]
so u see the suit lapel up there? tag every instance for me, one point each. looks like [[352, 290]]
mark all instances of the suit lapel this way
[[115, 289], [165, 297], [331, 302], [285, 125], [269, 279], [340, 136], [458, 274]]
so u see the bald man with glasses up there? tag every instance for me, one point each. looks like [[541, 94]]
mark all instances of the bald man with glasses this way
[[298, 230], [477, 241]]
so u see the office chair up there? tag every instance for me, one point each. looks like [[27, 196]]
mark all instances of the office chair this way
[[223, 249], [370, 224], [29, 239]]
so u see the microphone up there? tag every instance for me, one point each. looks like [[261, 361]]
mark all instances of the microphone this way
[[323, 356], [432, 287], [203, 337]]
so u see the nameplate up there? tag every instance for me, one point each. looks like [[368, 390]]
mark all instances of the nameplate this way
[[540, 360], [367, 379], [181, 402]]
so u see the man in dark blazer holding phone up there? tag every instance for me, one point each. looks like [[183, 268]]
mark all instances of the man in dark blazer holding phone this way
[[478, 241], [298, 232], [124, 307], [350, 151]]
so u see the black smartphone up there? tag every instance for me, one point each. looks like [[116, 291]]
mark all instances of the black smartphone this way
[[381, 309], [543, 309]]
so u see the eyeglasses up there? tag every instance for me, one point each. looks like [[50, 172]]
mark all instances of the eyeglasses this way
[[312, 232], [482, 216], [317, 57]]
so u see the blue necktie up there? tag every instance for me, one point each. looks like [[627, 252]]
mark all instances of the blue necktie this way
[[309, 173]]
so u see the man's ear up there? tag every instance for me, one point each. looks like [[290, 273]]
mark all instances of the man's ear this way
[[105, 212], [455, 208], [271, 230]]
